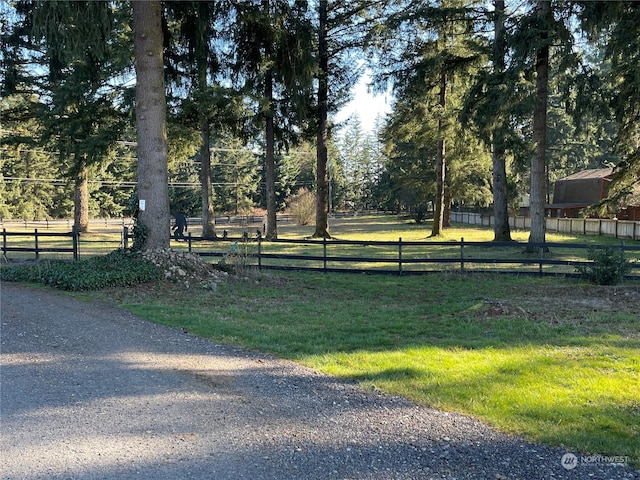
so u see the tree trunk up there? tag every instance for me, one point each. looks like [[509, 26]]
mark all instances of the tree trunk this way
[[501, 228], [201, 55], [322, 188], [446, 214], [208, 215], [81, 198], [441, 164], [153, 191], [538, 161], [271, 232], [270, 165]]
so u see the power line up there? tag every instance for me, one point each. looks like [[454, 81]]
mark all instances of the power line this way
[[62, 182]]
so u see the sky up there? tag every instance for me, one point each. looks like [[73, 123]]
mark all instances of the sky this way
[[366, 105]]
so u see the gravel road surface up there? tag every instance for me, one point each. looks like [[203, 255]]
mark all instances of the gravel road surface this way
[[89, 391]]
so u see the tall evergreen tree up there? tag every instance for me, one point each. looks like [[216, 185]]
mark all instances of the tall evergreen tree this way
[[274, 58], [615, 24], [342, 27], [80, 59], [501, 228], [236, 170], [541, 43], [194, 65], [441, 50], [412, 139], [31, 186], [322, 131], [538, 192], [151, 112]]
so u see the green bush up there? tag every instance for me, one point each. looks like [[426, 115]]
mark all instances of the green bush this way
[[609, 266], [118, 268]]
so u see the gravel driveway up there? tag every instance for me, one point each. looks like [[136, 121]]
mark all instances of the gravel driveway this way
[[89, 391]]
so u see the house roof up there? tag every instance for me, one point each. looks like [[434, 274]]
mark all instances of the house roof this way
[[567, 206], [589, 174], [586, 187]]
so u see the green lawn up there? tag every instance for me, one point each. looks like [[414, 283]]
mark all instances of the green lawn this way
[[391, 228], [555, 360]]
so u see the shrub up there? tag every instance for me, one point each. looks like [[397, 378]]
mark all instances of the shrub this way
[[302, 207], [118, 268], [609, 266], [236, 260]]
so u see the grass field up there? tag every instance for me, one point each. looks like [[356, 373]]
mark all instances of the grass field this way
[[103, 238], [555, 360]]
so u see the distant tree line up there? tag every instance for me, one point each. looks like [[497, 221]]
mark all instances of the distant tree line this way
[[223, 106]]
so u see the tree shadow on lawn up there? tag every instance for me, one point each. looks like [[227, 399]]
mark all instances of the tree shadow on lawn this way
[[559, 365], [537, 397]]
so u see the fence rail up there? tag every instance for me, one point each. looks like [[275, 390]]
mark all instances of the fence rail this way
[[396, 257], [116, 223], [404, 257], [37, 247]]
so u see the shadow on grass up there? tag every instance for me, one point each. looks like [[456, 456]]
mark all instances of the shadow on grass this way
[[562, 397], [554, 360]]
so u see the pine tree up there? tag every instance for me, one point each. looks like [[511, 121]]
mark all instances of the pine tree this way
[[30, 184], [151, 110], [359, 164], [236, 170], [615, 24], [193, 64], [501, 228], [441, 50], [538, 192], [342, 28], [274, 58], [79, 58]]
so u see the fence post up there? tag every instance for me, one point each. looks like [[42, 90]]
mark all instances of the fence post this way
[[400, 256], [74, 241], [462, 255], [540, 259], [4, 242], [125, 237], [259, 252], [189, 241], [324, 253], [35, 236]]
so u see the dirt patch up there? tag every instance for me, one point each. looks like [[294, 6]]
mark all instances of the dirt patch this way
[[500, 308], [621, 297], [560, 303]]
